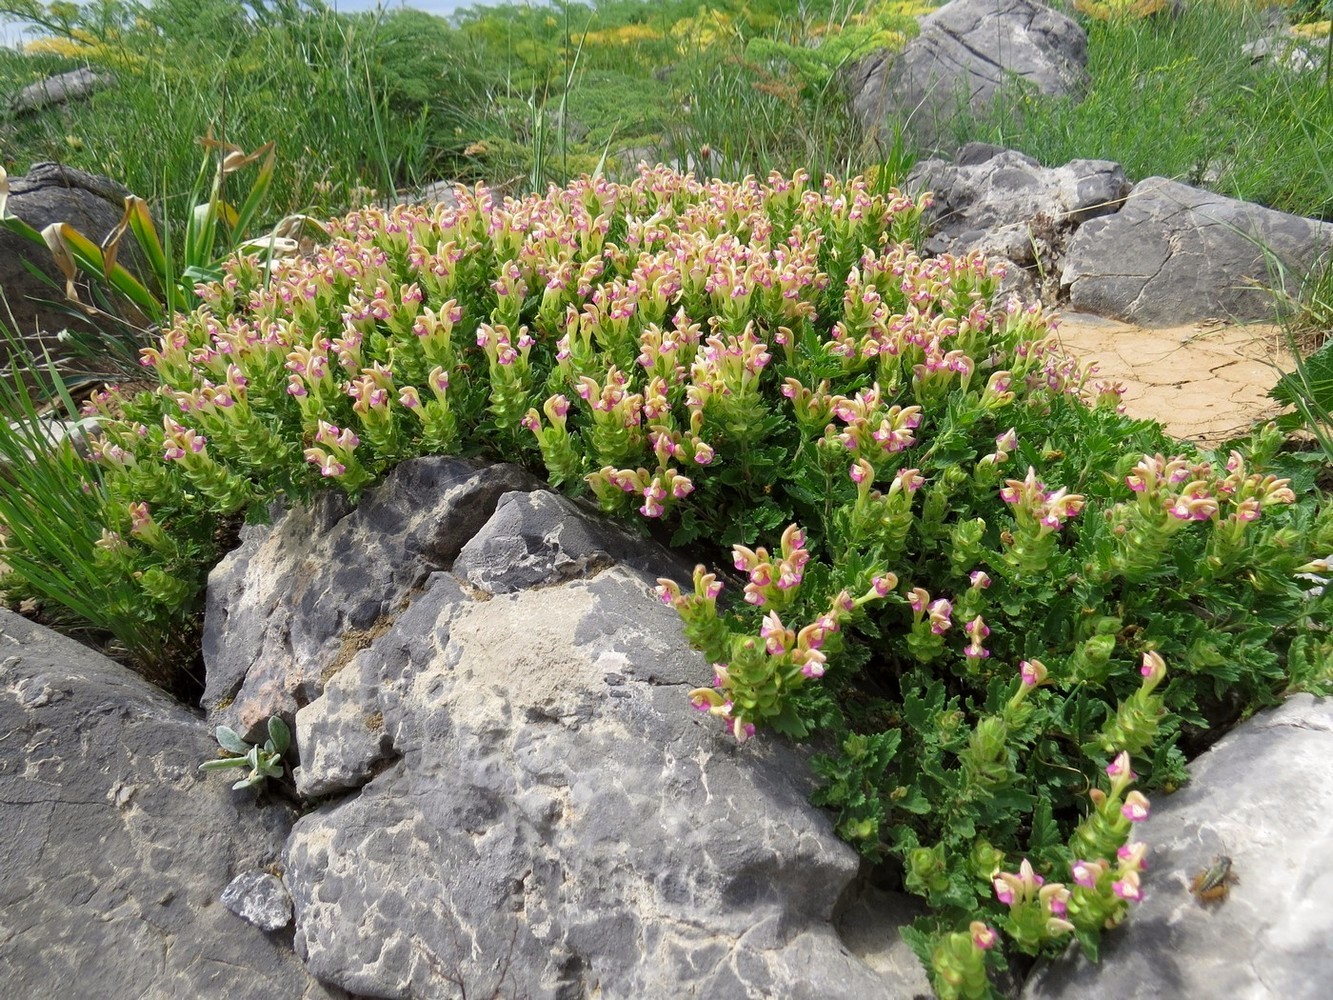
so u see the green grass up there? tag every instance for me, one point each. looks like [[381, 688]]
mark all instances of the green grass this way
[[52, 508], [1175, 95], [516, 96], [521, 97], [347, 99]]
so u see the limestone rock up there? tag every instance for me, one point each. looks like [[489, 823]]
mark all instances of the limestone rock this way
[[529, 804], [61, 88], [1175, 254], [1261, 796], [533, 541], [434, 193], [299, 598], [987, 187], [1008, 206], [259, 898], [966, 52], [116, 846]]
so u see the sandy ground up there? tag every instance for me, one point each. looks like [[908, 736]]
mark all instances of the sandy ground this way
[[1205, 381]]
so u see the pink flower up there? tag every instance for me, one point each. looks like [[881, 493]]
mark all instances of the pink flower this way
[[1120, 766], [1153, 668], [1135, 808], [668, 591], [918, 598], [940, 612], [1133, 857], [1085, 873], [1128, 887], [775, 633], [983, 938]]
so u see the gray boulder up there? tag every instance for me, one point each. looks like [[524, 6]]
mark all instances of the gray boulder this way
[[116, 847], [51, 193], [1261, 796], [434, 193], [1008, 206], [533, 542], [296, 601], [61, 88], [1176, 254], [967, 51], [522, 802]]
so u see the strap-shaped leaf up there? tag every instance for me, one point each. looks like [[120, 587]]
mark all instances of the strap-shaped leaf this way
[[258, 191], [63, 257], [12, 222], [140, 221], [223, 762], [90, 257]]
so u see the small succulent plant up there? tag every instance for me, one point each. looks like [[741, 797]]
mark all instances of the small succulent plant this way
[[264, 761]]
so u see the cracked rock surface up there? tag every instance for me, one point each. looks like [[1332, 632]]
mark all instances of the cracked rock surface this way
[[1006, 205], [1176, 254], [298, 598], [1261, 796], [966, 51], [522, 802], [116, 848], [1204, 382]]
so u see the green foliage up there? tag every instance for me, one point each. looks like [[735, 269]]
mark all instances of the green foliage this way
[[52, 511], [1309, 388], [1248, 129], [212, 230], [838, 44], [264, 761], [660, 81], [314, 82], [990, 591]]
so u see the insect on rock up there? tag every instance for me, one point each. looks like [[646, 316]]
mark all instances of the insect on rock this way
[[1213, 884]]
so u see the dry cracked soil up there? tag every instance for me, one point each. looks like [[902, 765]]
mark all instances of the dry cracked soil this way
[[1206, 382]]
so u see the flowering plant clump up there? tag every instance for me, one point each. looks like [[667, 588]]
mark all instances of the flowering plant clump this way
[[989, 588]]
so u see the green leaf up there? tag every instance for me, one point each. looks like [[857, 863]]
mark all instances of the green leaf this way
[[258, 192], [1313, 382], [279, 734], [223, 762], [140, 222], [1090, 942], [1045, 832], [231, 741], [90, 257], [914, 802], [789, 723]]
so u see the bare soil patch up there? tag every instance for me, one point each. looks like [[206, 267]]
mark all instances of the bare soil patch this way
[[1206, 382]]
